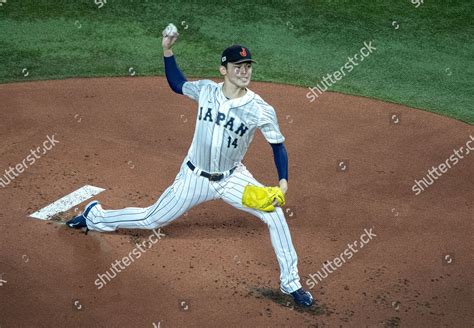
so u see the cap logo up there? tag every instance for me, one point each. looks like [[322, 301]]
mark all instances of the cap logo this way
[[224, 58], [243, 53]]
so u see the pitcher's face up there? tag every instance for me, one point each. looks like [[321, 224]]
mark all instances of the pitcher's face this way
[[238, 74]]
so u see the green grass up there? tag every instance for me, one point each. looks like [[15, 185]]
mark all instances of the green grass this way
[[425, 63]]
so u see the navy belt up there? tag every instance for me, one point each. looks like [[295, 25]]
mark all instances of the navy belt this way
[[210, 176]]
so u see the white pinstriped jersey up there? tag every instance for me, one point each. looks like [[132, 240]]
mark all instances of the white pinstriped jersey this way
[[225, 127]]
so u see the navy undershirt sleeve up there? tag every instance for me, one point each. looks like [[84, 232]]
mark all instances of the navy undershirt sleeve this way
[[281, 160], [174, 76]]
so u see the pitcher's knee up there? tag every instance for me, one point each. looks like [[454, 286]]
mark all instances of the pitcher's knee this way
[[151, 223], [157, 221], [270, 218], [280, 212]]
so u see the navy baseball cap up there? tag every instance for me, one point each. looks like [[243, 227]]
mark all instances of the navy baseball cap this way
[[236, 54]]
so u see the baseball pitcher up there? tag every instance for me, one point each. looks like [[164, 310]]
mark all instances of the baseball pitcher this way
[[228, 115]]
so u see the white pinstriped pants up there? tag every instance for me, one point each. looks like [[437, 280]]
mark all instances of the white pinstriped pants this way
[[188, 190]]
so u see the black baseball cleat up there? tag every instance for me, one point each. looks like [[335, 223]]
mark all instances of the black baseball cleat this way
[[301, 297], [79, 221]]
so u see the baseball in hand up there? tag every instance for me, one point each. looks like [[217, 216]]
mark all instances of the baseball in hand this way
[[170, 30]]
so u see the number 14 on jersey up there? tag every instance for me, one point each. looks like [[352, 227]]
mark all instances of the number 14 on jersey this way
[[230, 142]]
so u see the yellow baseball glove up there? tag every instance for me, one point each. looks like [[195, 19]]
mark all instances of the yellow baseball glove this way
[[262, 198]]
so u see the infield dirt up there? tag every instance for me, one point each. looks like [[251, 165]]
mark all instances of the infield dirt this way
[[215, 267]]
